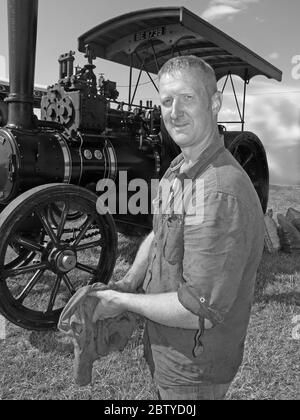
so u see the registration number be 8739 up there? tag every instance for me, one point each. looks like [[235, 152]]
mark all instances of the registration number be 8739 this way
[[150, 34]]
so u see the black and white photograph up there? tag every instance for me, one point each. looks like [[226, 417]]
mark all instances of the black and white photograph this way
[[150, 203]]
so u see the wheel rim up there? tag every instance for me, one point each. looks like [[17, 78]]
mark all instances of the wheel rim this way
[[73, 253], [252, 159], [22, 255]]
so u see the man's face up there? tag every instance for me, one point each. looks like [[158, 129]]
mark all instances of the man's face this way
[[186, 107]]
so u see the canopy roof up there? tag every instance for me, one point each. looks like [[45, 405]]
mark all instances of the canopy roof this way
[[152, 36]]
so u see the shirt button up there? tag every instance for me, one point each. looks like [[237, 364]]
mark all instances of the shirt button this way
[[202, 300]]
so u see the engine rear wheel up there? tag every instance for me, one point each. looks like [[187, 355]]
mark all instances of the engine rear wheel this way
[[250, 153], [68, 254]]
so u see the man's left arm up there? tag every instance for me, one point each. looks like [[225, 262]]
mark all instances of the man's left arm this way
[[163, 308], [214, 259], [217, 251]]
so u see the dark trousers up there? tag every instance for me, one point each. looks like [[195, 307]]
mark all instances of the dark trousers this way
[[201, 391]]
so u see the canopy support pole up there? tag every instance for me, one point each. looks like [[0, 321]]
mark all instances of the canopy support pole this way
[[241, 114], [155, 58], [147, 73], [235, 97], [130, 82], [246, 82]]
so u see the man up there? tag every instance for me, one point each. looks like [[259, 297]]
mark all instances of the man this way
[[197, 270]]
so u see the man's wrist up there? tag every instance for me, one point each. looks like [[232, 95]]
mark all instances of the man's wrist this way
[[122, 300]]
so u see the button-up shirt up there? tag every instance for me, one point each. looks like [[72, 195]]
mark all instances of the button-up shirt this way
[[208, 242]]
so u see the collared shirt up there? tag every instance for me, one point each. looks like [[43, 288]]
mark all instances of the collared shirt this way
[[210, 258]]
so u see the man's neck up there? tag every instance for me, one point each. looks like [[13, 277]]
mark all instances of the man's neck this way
[[193, 153]]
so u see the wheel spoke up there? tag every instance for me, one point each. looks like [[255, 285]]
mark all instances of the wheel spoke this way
[[89, 245], [69, 284], [235, 150], [249, 158], [27, 243], [85, 268], [54, 294], [46, 225], [23, 270], [83, 230], [63, 219], [32, 282]]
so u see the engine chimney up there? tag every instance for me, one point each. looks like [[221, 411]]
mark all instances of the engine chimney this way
[[22, 29]]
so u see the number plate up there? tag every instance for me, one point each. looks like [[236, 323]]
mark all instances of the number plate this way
[[150, 34]]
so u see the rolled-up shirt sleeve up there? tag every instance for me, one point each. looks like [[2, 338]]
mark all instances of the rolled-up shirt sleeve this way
[[215, 254]]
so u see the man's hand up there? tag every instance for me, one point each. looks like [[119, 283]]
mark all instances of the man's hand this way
[[109, 305], [135, 276]]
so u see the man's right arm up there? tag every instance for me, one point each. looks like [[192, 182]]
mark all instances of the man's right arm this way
[[136, 274]]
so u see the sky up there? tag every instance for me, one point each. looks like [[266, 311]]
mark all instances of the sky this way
[[270, 28]]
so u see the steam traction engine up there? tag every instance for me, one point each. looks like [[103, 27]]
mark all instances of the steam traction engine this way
[[52, 239]]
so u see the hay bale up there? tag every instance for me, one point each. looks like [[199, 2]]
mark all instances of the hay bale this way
[[289, 235], [271, 239], [293, 216]]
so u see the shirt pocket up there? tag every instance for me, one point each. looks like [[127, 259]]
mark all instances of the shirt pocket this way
[[173, 246]]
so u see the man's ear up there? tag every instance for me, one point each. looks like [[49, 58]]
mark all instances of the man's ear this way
[[216, 102]]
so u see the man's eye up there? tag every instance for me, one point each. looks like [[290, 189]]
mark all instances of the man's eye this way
[[188, 98], [167, 102]]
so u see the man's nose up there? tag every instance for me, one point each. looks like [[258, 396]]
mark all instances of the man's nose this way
[[177, 110]]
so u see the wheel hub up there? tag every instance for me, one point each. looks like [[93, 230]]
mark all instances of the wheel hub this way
[[63, 260], [66, 261]]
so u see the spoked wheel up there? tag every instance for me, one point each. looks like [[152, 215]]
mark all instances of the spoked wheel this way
[[250, 153], [21, 255], [68, 253], [55, 214]]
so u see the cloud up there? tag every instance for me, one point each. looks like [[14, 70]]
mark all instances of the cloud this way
[[217, 12], [274, 56], [225, 8], [275, 119], [234, 3]]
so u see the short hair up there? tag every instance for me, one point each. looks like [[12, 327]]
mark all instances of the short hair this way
[[188, 62]]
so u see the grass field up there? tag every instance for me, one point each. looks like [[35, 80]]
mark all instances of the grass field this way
[[39, 365]]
